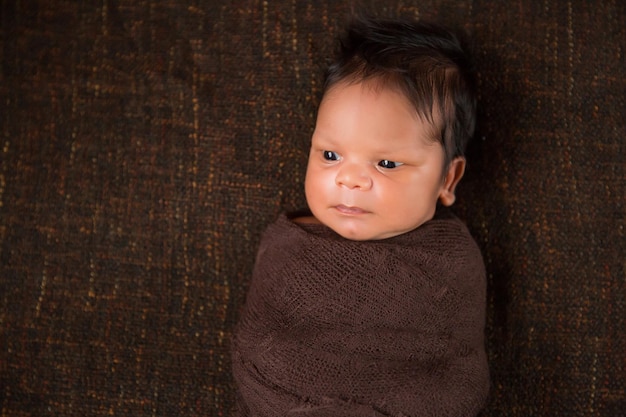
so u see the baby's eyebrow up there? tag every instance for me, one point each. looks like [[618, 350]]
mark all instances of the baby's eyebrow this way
[[323, 137], [389, 148]]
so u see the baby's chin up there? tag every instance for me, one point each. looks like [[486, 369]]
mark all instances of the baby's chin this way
[[369, 226]]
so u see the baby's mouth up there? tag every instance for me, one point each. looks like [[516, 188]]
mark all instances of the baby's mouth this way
[[352, 210]]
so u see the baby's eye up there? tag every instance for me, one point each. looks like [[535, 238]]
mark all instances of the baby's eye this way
[[331, 156], [385, 163]]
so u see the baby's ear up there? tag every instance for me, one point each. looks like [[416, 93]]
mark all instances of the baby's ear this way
[[455, 172]]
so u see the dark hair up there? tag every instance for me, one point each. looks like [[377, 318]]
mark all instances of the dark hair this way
[[426, 62]]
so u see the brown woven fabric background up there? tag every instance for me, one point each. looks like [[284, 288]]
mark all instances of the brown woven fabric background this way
[[145, 145]]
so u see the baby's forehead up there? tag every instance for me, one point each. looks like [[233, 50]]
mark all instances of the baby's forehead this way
[[425, 105], [425, 110], [371, 109]]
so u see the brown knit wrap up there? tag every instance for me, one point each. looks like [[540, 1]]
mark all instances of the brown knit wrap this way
[[334, 327]]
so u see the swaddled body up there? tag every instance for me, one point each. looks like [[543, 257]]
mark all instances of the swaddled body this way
[[376, 328]]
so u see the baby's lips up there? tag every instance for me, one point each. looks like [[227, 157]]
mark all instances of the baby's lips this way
[[350, 209]]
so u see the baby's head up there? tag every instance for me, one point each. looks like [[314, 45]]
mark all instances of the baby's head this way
[[397, 112]]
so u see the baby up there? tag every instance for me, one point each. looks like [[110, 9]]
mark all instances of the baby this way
[[373, 303]]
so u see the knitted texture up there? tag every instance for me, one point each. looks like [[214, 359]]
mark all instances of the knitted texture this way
[[382, 328]]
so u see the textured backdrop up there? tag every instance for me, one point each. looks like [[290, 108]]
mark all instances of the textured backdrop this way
[[145, 145]]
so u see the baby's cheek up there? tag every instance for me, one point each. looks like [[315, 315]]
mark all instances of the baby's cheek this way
[[311, 188]]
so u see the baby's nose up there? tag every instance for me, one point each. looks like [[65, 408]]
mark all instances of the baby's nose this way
[[354, 176]]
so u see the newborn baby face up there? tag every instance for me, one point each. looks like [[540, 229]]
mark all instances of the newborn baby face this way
[[374, 169]]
